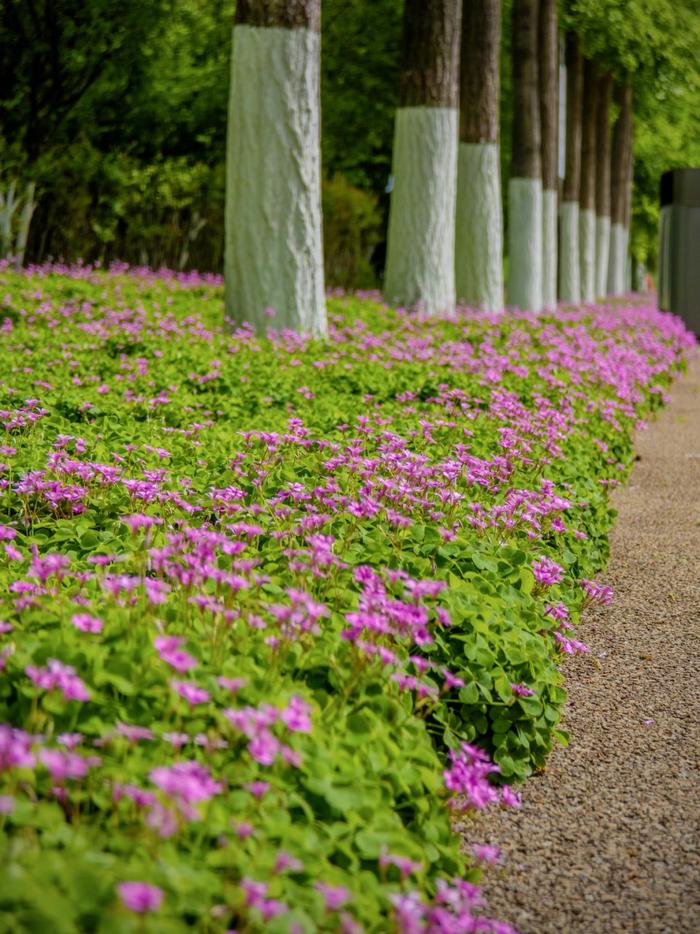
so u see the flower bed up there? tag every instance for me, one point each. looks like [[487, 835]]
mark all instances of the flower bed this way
[[272, 610]]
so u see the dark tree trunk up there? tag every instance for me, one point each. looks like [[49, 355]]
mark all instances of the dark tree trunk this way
[[620, 154], [548, 72], [602, 134], [480, 72], [430, 59], [618, 190], [525, 225], [548, 78], [588, 137], [479, 230], [285, 14], [574, 103], [420, 265], [629, 178], [569, 220], [526, 159]]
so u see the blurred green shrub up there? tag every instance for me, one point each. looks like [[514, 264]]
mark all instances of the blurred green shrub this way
[[352, 226], [171, 213]]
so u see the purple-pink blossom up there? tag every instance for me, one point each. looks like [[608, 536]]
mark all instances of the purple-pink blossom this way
[[140, 897], [547, 572]]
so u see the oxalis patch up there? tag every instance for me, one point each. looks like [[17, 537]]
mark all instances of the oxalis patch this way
[[276, 613]]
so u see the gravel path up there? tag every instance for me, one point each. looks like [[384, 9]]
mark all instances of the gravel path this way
[[608, 838]]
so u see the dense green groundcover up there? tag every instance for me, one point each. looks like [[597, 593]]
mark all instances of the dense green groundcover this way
[[254, 592]]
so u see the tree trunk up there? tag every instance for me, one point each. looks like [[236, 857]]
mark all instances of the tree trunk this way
[[525, 185], [420, 265], [548, 73], [588, 175], [629, 183], [273, 254], [8, 206], [479, 234], [569, 268], [618, 190], [602, 185], [25, 220]]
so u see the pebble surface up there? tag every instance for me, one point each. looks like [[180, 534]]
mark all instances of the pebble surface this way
[[608, 837]]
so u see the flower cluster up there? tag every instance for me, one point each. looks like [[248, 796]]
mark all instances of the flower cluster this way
[[247, 581]]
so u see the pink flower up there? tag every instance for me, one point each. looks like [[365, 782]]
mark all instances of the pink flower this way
[[521, 689], [509, 797], [133, 732], [296, 715], [189, 781], [141, 521], [87, 623], [243, 829], [597, 593], [405, 865], [286, 861], [63, 765], [335, 896], [58, 675], [140, 897], [486, 853], [231, 684], [547, 572], [168, 647], [257, 789], [191, 692]]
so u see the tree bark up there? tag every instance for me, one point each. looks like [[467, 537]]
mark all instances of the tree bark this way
[[548, 74], [430, 53], [602, 184], [525, 185], [569, 269], [273, 260], [25, 220], [479, 232], [421, 238], [618, 189], [587, 200], [629, 185]]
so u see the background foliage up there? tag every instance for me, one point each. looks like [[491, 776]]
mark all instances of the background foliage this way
[[118, 111]]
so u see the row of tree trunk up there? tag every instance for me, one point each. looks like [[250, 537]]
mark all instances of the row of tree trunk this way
[[445, 238]]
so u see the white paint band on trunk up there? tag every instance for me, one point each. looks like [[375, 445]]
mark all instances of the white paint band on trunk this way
[[616, 269], [525, 244], [274, 252], [421, 238], [569, 268], [586, 235], [602, 254], [549, 249], [628, 262], [479, 230]]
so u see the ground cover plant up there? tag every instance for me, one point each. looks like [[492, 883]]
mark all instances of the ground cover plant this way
[[277, 614]]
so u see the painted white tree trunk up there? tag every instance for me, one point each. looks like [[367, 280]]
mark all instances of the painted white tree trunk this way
[[616, 269], [420, 264], [274, 254], [549, 249], [25, 220], [586, 234], [602, 255], [479, 232], [569, 263], [525, 243], [628, 263]]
